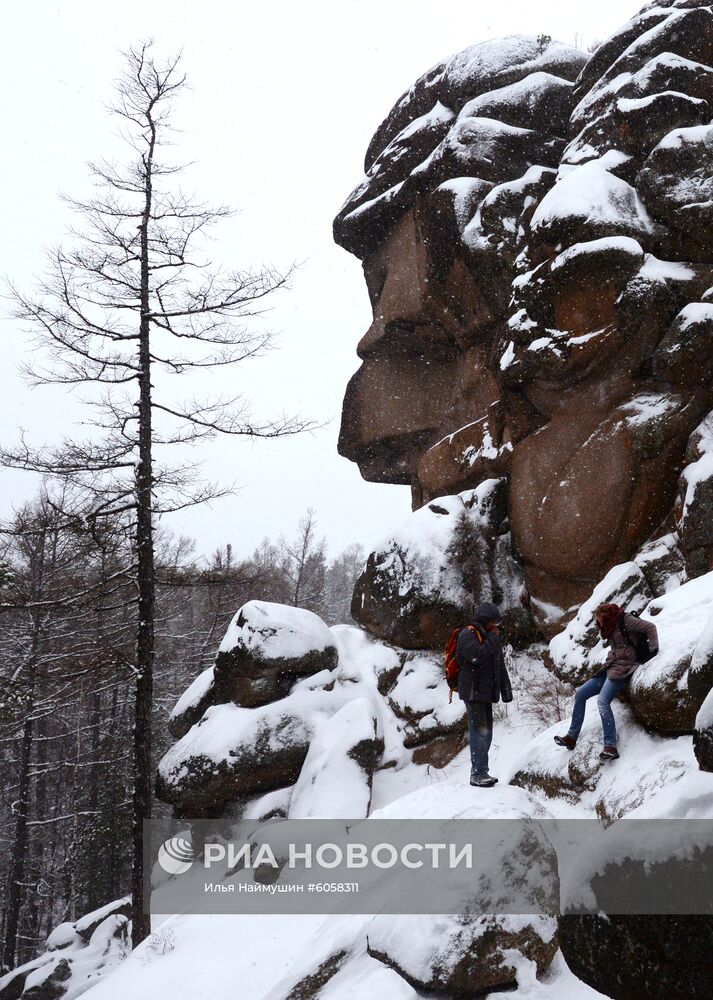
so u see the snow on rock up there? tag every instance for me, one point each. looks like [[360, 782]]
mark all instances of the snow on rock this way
[[478, 450], [588, 202], [703, 735], [489, 112], [700, 672], [233, 752], [676, 181], [684, 355], [480, 68], [579, 651], [659, 689], [276, 632], [577, 783], [584, 253], [462, 954], [662, 563], [335, 780], [267, 646], [419, 697], [194, 701], [412, 591], [540, 97], [78, 955], [695, 514]]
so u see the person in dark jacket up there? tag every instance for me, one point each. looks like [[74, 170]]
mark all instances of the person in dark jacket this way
[[617, 630], [482, 681]]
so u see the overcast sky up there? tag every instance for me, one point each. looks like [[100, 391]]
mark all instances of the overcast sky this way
[[284, 99]]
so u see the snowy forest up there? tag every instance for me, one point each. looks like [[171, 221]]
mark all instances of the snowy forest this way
[[525, 647], [68, 630]]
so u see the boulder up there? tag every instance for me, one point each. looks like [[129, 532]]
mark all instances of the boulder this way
[[335, 779], [462, 955], [230, 753], [700, 671], [695, 510], [419, 697], [425, 577], [591, 202], [48, 983], [676, 184], [78, 955], [192, 705], [631, 956], [703, 734], [684, 356], [266, 648], [660, 694], [663, 564]]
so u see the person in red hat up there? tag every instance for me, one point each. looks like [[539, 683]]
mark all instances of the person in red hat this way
[[619, 631]]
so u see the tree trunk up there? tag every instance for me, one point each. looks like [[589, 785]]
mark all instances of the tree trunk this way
[[141, 922], [20, 839]]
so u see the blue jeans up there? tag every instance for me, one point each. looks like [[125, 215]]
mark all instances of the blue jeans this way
[[606, 690], [480, 732]]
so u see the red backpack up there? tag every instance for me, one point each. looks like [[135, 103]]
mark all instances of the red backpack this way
[[451, 667]]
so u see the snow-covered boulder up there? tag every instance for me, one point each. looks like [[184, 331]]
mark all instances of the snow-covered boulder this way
[[419, 697], [695, 511], [650, 765], [684, 355], [579, 651], [462, 955], [659, 692], [335, 780], [192, 705], [588, 202], [468, 953], [425, 577], [676, 180], [700, 672], [233, 752], [663, 564], [267, 646], [703, 734], [78, 954]]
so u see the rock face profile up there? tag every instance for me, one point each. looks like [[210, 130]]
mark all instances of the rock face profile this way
[[536, 242], [535, 230]]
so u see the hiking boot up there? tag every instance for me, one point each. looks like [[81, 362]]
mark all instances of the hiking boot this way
[[567, 741], [483, 780], [609, 753]]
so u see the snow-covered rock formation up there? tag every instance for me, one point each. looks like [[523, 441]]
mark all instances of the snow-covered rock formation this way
[[78, 955], [536, 240]]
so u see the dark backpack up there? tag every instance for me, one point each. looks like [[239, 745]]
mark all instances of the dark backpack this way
[[451, 666], [639, 640]]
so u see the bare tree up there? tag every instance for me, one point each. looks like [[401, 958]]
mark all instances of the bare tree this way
[[303, 564], [132, 296]]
